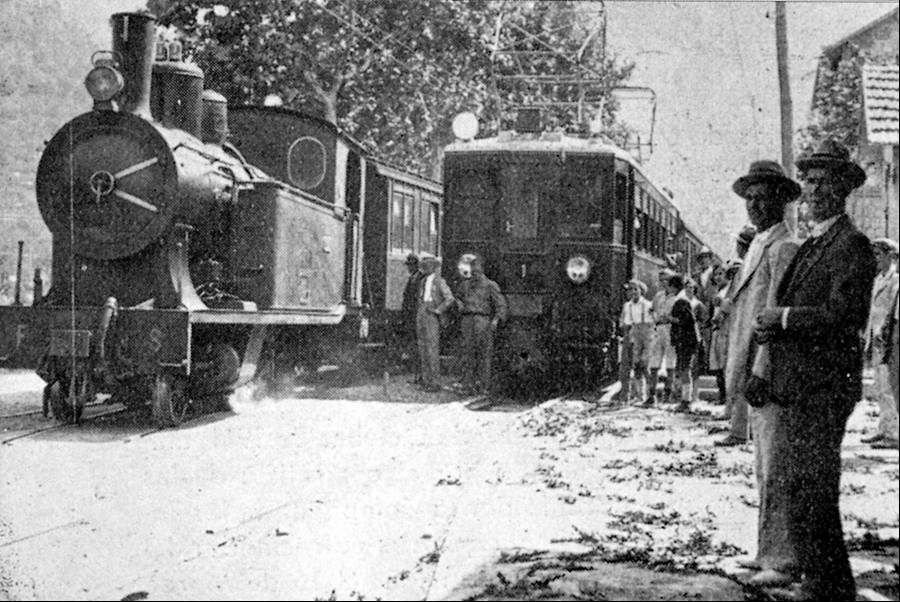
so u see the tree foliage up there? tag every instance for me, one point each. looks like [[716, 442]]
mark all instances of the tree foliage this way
[[390, 73], [837, 102]]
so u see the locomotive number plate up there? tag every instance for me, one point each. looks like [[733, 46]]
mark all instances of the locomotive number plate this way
[[65, 343]]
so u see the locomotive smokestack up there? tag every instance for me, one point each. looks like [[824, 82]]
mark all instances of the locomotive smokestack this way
[[134, 39]]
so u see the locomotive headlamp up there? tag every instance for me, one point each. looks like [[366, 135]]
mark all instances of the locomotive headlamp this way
[[578, 269], [465, 126], [103, 82]]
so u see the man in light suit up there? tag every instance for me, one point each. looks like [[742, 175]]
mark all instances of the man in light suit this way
[[883, 292], [815, 370], [766, 190], [435, 299]]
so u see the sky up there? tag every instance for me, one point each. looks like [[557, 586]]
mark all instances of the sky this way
[[712, 66]]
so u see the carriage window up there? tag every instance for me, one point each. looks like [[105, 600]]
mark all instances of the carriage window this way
[[428, 233], [402, 219]]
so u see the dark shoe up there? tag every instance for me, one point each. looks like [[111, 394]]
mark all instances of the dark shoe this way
[[872, 439], [886, 443], [729, 441], [772, 578], [649, 402], [749, 563], [683, 408]]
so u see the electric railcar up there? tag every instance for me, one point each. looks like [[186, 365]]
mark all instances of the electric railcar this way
[[562, 223]]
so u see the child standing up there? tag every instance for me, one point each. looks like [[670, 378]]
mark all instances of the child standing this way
[[683, 334]]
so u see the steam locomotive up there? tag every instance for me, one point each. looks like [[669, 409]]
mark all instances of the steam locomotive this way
[[193, 248], [563, 223]]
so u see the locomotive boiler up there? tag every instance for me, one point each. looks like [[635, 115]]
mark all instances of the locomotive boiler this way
[[178, 266]]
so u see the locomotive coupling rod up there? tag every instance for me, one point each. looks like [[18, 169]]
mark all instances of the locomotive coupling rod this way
[[18, 299]]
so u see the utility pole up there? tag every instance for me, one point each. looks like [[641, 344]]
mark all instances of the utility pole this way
[[787, 117]]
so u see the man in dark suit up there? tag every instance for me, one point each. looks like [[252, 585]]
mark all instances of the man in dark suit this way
[[813, 334], [406, 328]]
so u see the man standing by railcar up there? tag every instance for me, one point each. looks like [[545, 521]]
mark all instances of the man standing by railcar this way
[[662, 353], [883, 292], [482, 308], [435, 299], [815, 373], [766, 190], [406, 330]]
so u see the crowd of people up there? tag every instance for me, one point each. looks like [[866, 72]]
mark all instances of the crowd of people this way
[[786, 326]]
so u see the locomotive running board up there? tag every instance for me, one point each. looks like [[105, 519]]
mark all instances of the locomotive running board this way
[[299, 317]]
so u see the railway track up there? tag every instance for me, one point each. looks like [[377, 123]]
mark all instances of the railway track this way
[[60, 425]]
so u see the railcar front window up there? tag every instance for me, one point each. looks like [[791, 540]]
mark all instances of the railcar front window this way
[[581, 199], [471, 203]]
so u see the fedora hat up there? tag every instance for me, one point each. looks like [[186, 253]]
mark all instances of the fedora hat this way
[[767, 171], [704, 250], [833, 155]]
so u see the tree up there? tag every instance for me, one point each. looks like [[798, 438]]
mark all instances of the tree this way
[[837, 102], [391, 73]]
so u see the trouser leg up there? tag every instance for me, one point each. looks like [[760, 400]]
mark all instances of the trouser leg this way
[[652, 383], [485, 345], [887, 408], [625, 366], [769, 434], [467, 326], [720, 385], [816, 430], [429, 340], [739, 416]]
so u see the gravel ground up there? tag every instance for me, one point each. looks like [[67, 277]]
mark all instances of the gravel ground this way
[[417, 497]]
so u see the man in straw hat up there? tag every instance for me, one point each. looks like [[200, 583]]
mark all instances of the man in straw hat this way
[[766, 191], [435, 299], [815, 369], [636, 323], [883, 292]]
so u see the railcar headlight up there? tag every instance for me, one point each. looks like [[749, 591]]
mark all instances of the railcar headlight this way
[[103, 82], [465, 126], [578, 269]]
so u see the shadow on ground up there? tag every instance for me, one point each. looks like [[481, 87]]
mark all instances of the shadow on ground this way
[[542, 575]]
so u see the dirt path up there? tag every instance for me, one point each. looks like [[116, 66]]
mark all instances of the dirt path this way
[[409, 499]]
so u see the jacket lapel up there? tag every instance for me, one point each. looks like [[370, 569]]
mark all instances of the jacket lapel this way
[[817, 252]]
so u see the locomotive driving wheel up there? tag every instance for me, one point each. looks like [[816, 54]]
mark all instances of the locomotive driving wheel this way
[[170, 402]]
